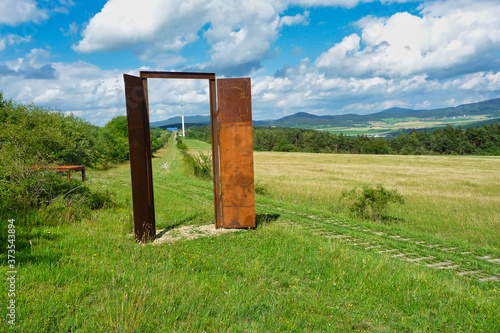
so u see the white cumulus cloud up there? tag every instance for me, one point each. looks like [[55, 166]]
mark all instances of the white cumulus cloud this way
[[152, 25], [13, 12], [448, 48], [297, 19], [11, 40], [239, 33], [464, 37]]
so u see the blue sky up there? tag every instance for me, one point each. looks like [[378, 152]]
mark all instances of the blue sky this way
[[317, 56]]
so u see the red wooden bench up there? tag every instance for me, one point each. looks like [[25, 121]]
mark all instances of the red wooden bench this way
[[64, 168]]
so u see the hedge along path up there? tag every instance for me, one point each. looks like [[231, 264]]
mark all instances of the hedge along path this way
[[417, 249]]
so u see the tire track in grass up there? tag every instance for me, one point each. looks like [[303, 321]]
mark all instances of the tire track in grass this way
[[434, 255]]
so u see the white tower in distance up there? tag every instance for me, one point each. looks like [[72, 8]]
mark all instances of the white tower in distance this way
[[182, 116]]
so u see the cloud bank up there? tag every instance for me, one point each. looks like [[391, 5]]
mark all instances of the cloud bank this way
[[405, 59], [445, 40], [239, 33]]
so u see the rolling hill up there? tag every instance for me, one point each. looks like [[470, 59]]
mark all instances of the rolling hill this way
[[489, 109], [385, 121], [177, 121]]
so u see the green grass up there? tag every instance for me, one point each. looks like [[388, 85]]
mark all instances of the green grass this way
[[289, 274], [195, 146], [354, 131], [454, 198]]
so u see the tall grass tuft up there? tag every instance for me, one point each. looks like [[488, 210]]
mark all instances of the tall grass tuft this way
[[200, 166]]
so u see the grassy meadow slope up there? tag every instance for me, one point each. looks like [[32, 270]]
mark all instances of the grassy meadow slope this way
[[307, 267], [456, 198]]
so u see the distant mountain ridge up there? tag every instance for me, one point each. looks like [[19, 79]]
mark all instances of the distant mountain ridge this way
[[174, 121], [306, 120]]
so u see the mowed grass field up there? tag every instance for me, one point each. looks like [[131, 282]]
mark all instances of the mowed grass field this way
[[450, 197], [307, 267], [454, 198]]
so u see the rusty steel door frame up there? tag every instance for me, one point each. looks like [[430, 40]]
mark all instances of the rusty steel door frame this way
[[140, 158], [137, 102], [213, 123]]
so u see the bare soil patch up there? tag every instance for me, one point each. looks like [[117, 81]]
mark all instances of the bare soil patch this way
[[190, 232]]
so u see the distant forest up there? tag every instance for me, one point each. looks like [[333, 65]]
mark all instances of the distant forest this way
[[479, 140]]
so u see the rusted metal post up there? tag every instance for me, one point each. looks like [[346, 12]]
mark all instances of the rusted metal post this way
[[144, 82], [234, 99], [140, 159], [215, 153]]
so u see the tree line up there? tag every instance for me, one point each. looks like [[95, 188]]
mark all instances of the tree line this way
[[36, 135], [479, 140]]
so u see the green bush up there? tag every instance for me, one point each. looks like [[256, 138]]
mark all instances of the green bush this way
[[203, 166], [199, 166], [25, 188], [261, 189], [32, 138], [371, 202], [32, 134], [159, 138], [181, 145], [115, 140], [76, 205]]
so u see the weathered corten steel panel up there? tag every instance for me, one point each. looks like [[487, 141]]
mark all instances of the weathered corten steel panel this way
[[215, 153], [176, 75], [140, 158], [236, 152]]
